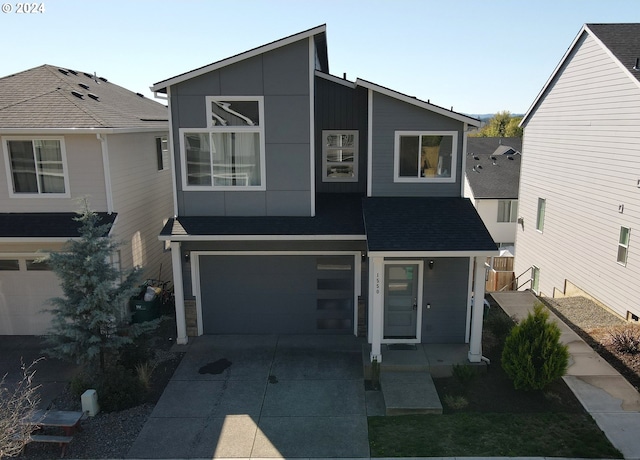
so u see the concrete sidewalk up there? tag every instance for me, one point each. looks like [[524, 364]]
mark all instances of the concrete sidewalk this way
[[612, 401]]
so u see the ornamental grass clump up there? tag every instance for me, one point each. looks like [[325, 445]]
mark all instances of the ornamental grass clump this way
[[533, 356]]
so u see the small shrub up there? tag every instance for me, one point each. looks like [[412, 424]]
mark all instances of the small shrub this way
[[626, 339], [464, 373], [533, 356], [455, 402], [79, 384], [133, 354], [118, 389], [499, 323], [144, 371]]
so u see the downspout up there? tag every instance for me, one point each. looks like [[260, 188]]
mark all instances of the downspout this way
[[107, 171]]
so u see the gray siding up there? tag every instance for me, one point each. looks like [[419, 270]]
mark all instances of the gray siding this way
[[282, 77], [445, 288], [341, 107], [580, 153], [391, 115]]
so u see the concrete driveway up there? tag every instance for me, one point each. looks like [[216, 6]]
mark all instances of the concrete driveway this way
[[262, 396]]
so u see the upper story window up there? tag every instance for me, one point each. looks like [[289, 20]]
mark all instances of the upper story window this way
[[162, 153], [425, 156], [507, 210], [623, 245], [229, 153], [340, 156], [542, 204], [36, 167]]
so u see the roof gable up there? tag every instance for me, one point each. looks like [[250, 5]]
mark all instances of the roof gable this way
[[48, 97], [620, 41], [321, 49]]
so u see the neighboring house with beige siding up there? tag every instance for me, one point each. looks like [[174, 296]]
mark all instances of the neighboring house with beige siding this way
[[65, 135], [580, 177]]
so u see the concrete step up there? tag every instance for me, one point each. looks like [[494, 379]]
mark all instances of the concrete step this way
[[409, 392]]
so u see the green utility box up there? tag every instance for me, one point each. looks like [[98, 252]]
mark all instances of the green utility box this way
[[144, 310]]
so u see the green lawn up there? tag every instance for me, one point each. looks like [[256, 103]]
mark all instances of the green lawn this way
[[465, 434]]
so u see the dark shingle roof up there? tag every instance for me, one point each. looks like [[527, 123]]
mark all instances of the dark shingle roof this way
[[488, 145], [623, 40], [424, 224], [493, 179], [335, 215], [42, 98], [44, 224]]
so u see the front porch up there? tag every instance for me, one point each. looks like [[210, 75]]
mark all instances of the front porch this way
[[406, 375]]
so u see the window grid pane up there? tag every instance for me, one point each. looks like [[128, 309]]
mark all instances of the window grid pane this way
[[340, 156], [198, 159], [623, 245], [542, 203], [23, 167], [49, 161]]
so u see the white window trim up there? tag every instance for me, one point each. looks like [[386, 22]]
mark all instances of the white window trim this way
[[7, 162], [423, 180], [626, 246], [356, 155], [226, 129]]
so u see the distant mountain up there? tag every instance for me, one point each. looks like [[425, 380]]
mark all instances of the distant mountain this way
[[484, 117]]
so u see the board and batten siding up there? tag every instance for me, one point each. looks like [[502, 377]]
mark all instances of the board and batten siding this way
[[142, 197], [282, 77], [85, 173], [580, 153], [391, 115]]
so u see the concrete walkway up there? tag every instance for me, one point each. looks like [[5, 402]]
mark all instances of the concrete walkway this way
[[612, 401]]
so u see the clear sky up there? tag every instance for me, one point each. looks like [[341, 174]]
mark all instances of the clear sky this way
[[477, 56]]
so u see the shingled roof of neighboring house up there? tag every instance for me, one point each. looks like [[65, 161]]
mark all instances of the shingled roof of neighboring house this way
[[623, 40], [45, 224], [398, 224], [53, 97], [493, 167]]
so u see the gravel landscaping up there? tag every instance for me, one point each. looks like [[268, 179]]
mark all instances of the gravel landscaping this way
[[595, 325]]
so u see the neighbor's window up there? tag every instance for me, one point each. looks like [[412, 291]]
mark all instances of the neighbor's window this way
[[425, 156], [507, 210], [38, 265], [542, 204], [36, 166], [340, 156], [623, 245], [162, 152], [230, 152], [535, 279], [9, 265]]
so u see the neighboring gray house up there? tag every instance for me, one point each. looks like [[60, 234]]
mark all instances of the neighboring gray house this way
[[580, 177], [307, 203], [66, 135], [491, 183]]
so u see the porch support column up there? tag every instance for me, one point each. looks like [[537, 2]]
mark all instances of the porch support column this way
[[376, 308], [178, 289], [477, 313]]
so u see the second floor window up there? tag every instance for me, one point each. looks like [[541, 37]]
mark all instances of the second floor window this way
[[428, 156], [229, 153], [340, 156], [507, 210], [542, 205], [37, 166]]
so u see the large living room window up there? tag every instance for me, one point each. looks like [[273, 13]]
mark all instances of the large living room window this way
[[340, 156], [425, 156], [36, 167], [229, 153]]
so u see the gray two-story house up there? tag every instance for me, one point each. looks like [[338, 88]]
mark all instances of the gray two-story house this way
[[309, 204]]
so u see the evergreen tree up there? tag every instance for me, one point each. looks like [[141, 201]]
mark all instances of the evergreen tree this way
[[532, 355], [89, 321]]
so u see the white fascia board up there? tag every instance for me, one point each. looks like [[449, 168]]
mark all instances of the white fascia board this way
[[59, 131], [262, 237], [552, 77], [33, 239], [237, 58], [417, 102], [334, 79], [406, 254]]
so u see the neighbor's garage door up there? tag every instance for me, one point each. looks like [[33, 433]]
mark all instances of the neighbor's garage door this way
[[277, 294], [25, 290]]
